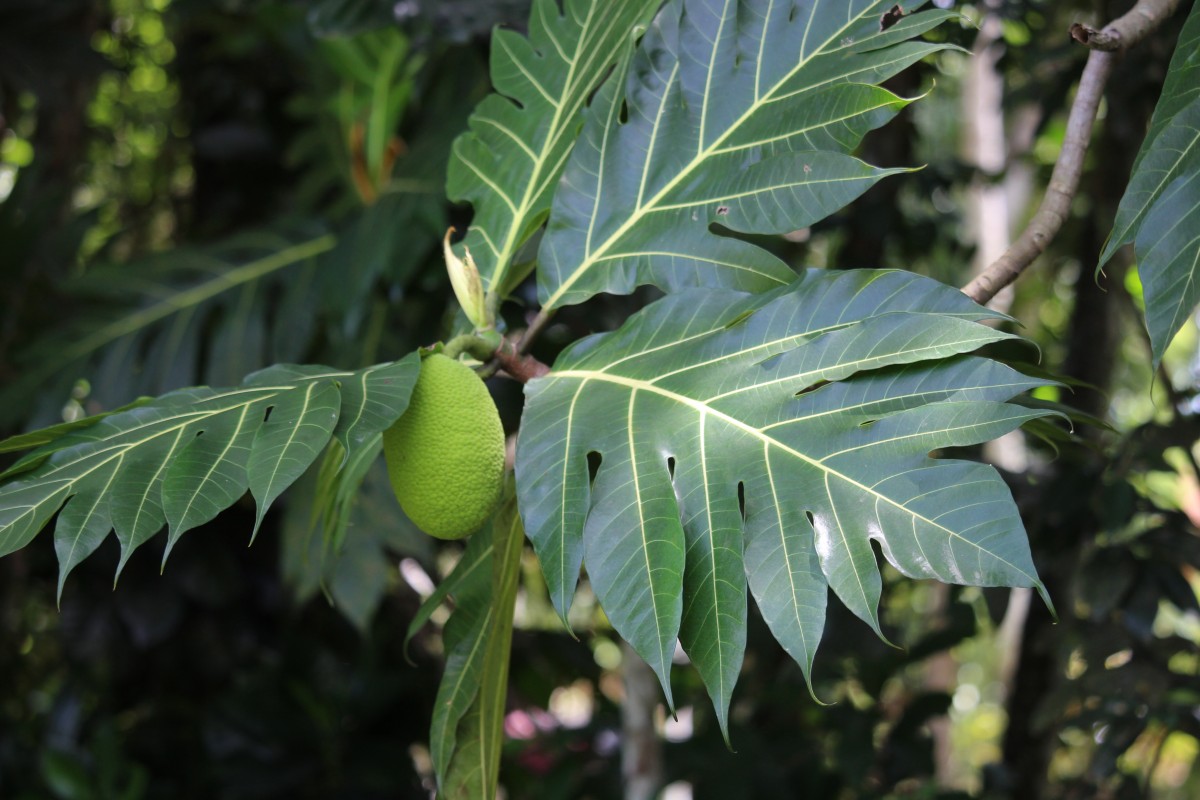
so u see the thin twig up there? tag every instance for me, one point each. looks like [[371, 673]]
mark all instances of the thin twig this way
[[1119, 35], [512, 355]]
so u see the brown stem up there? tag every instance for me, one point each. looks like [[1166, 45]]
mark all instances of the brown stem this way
[[1064, 181], [521, 367], [1121, 34]]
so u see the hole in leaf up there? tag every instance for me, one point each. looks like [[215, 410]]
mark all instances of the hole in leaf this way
[[593, 461], [890, 17], [671, 466], [813, 388], [267, 413], [866, 423], [877, 549], [592, 94], [742, 499], [623, 115], [722, 211], [811, 519]]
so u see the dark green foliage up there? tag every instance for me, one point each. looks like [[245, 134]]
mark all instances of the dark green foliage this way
[[308, 232]]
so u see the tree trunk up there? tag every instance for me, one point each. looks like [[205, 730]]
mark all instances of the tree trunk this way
[[641, 747]]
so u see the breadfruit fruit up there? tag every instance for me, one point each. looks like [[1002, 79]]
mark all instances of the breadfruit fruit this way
[[445, 455]]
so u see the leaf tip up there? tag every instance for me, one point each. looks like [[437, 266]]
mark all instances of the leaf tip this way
[[1045, 595], [812, 692], [874, 623], [171, 540], [664, 680], [404, 652], [120, 568], [567, 625], [258, 518]]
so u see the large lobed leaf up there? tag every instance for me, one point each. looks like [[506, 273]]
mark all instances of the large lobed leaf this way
[[772, 438], [738, 114], [1160, 208], [509, 162], [183, 458]]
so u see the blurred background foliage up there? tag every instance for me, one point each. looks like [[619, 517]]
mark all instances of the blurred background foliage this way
[[191, 190]]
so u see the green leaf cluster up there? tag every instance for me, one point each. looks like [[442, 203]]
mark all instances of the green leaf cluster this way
[[755, 429]]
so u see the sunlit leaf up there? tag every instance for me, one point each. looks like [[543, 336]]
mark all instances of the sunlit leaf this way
[[299, 427], [739, 115], [465, 640], [1160, 210], [508, 164], [772, 437]]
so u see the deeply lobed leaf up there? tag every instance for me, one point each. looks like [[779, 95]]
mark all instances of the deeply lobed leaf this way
[[509, 162], [183, 458], [771, 438], [737, 114]]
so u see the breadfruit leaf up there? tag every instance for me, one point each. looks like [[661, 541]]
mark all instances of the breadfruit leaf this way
[[509, 162], [181, 459], [737, 114], [771, 438]]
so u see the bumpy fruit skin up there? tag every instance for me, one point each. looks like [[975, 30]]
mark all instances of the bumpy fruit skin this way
[[445, 455]]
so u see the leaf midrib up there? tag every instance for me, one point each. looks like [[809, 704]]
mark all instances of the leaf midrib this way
[[634, 385], [637, 493], [238, 432], [701, 156], [1155, 192], [535, 185], [291, 438], [121, 448]]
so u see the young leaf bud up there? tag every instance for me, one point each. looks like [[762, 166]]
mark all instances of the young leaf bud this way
[[468, 288]]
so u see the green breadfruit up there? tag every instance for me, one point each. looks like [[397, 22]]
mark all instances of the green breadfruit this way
[[445, 455]]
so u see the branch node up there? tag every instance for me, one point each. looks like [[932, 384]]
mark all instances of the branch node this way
[[1108, 40], [523, 368]]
